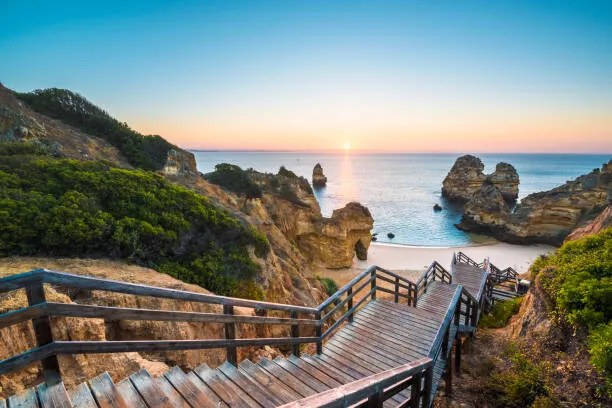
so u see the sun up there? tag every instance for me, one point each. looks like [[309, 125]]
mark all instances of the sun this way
[[347, 146]]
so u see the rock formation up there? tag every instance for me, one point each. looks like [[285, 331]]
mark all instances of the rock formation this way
[[318, 178], [466, 177], [332, 242], [545, 217], [601, 222], [506, 179]]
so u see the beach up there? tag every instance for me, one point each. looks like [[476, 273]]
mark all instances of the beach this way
[[411, 261]]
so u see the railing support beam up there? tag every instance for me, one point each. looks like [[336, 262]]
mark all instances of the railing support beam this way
[[42, 330], [230, 334], [295, 332]]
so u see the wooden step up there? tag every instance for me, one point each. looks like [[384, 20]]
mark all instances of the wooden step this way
[[268, 381], [130, 394], [149, 391], [195, 395], [226, 390], [26, 399], [105, 392], [82, 397], [53, 396], [251, 387]]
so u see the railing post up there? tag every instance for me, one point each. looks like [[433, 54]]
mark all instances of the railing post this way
[[468, 306], [375, 400], [458, 356], [415, 390], [396, 290], [230, 334], [427, 387], [415, 291], [349, 303], [373, 284], [42, 330], [318, 333], [295, 333]]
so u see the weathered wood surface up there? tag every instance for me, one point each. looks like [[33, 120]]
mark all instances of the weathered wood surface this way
[[379, 349]]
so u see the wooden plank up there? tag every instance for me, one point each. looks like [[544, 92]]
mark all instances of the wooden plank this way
[[130, 394], [405, 325], [176, 400], [303, 375], [82, 397], [226, 390], [252, 388], [407, 344], [105, 392], [287, 378], [321, 376], [209, 391], [268, 381], [336, 372], [53, 396], [404, 350], [27, 399], [149, 391], [358, 353], [194, 395], [374, 351]]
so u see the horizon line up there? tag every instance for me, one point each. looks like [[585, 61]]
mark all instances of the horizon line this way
[[361, 151]]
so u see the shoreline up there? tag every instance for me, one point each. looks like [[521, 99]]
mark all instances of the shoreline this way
[[400, 245]]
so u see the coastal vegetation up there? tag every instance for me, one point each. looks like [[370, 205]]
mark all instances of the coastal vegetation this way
[[501, 313], [145, 152], [577, 280], [63, 207], [234, 179]]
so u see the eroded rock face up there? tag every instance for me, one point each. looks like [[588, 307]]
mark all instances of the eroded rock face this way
[[464, 179], [180, 163], [545, 217], [486, 207], [506, 179], [601, 222], [318, 178]]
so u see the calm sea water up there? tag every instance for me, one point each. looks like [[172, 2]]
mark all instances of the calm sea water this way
[[401, 189]]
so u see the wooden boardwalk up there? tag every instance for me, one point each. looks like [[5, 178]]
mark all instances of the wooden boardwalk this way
[[377, 338]]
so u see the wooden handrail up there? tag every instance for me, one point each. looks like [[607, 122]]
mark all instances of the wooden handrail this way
[[370, 391]]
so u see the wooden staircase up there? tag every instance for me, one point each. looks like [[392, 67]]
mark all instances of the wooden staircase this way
[[377, 351]]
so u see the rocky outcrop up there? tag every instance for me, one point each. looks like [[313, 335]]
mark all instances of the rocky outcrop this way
[[318, 178], [466, 177], [506, 179], [546, 217], [601, 222], [335, 241], [180, 163], [291, 205]]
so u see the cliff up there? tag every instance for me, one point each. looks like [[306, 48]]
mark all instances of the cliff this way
[[545, 217], [318, 178], [466, 177]]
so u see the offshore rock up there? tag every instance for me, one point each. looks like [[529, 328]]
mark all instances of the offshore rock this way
[[464, 179], [318, 178], [546, 217], [506, 179]]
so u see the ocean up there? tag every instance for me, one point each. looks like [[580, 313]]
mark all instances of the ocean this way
[[401, 189]]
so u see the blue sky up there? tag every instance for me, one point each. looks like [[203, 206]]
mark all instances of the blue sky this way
[[485, 75]]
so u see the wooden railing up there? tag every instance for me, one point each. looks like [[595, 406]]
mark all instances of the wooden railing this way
[[463, 258], [433, 273], [335, 310], [372, 391]]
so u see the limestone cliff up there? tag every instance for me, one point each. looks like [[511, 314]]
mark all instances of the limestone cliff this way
[[466, 177], [601, 222], [545, 217]]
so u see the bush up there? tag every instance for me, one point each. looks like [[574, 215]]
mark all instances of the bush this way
[[577, 279], [233, 178], [522, 384], [71, 208], [501, 313], [329, 285], [146, 152]]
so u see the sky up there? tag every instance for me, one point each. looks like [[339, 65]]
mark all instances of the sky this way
[[391, 76]]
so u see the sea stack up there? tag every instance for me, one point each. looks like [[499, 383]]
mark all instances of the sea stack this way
[[318, 178], [466, 177]]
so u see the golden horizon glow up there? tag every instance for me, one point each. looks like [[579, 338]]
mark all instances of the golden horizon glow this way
[[346, 146]]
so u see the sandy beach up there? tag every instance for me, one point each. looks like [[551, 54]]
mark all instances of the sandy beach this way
[[411, 261]]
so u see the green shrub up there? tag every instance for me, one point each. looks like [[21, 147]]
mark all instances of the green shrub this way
[[577, 279], [146, 152], [233, 178], [329, 285], [501, 312], [521, 384], [71, 208]]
